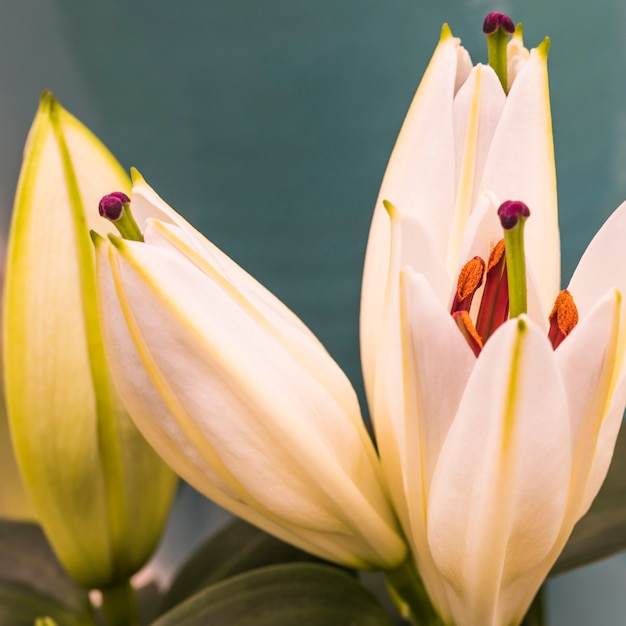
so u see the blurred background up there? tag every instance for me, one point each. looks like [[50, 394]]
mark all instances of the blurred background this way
[[269, 125]]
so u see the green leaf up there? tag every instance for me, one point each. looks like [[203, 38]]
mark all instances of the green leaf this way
[[238, 548], [32, 582], [602, 531], [305, 594]]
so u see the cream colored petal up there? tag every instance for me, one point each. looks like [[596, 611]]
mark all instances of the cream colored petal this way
[[500, 488], [520, 166], [240, 409], [437, 363], [419, 180], [601, 268], [586, 359], [410, 246], [477, 109], [286, 327], [517, 55]]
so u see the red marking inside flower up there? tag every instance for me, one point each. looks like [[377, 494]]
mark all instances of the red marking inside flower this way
[[563, 318], [494, 305]]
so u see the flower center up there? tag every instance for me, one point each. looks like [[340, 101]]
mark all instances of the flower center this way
[[493, 309], [504, 293]]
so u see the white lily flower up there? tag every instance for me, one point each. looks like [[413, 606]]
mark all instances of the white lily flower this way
[[100, 492], [237, 395], [492, 449]]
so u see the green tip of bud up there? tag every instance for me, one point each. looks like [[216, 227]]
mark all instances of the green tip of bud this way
[[390, 208], [513, 214], [46, 99], [544, 47], [135, 176], [446, 33], [96, 239]]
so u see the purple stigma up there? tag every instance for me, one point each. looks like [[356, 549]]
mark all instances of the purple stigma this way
[[510, 213], [495, 20], [112, 205]]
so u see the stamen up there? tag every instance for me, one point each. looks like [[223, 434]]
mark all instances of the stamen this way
[[494, 306], [470, 279], [465, 325], [115, 207], [497, 27], [563, 318], [513, 214]]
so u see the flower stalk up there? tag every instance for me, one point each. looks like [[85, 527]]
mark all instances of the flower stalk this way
[[119, 605]]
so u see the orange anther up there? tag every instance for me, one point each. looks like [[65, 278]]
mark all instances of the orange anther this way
[[563, 318], [470, 278]]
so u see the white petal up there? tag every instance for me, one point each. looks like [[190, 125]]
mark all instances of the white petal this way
[[520, 166], [419, 181], [586, 359], [500, 488], [602, 268], [241, 413], [517, 55], [437, 363], [284, 325], [410, 246], [477, 109]]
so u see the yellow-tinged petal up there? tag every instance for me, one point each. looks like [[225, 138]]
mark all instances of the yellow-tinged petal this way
[[419, 180], [587, 360], [101, 493], [14, 502], [500, 489], [235, 408], [477, 109], [437, 363], [520, 166]]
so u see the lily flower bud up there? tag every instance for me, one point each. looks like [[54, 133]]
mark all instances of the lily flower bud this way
[[237, 395], [100, 492]]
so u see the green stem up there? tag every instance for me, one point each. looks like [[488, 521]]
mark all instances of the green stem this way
[[409, 594], [119, 605]]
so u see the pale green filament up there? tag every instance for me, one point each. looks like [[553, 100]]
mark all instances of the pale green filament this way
[[516, 268]]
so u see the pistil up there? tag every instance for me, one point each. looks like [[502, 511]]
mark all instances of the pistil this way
[[115, 207], [513, 214], [497, 27]]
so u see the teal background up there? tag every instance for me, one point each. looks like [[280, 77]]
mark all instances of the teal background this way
[[269, 123]]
